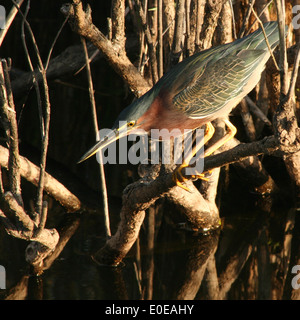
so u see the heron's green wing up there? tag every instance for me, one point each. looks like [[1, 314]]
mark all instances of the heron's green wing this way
[[217, 83]]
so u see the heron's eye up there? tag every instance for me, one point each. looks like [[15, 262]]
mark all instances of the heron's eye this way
[[131, 123]]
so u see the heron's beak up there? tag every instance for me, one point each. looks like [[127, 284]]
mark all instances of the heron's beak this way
[[113, 136]]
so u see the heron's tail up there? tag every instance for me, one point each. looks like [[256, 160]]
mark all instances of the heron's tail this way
[[257, 39]]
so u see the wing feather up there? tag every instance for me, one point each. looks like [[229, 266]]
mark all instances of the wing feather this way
[[219, 82]]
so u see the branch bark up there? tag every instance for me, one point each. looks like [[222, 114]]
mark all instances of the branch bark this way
[[58, 191], [81, 23], [212, 11], [43, 242], [8, 113]]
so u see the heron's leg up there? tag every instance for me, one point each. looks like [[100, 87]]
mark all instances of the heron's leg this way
[[228, 136], [231, 131], [177, 175], [209, 133]]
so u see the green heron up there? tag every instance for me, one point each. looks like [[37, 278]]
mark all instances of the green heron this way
[[201, 88]]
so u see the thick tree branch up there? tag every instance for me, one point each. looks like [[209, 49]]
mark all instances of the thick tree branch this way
[[30, 172], [212, 12], [81, 23], [9, 121]]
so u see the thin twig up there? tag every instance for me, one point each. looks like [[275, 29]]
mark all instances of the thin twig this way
[[45, 121], [233, 20], [261, 13], [94, 113], [9, 19], [43, 219], [188, 26], [152, 53], [35, 81], [160, 39], [45, 141], [199, 22], [266, 38], [54, 42], [91, 58], [246, 19], [1, 184]]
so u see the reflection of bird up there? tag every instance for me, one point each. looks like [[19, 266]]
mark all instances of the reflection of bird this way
[[198, 90]]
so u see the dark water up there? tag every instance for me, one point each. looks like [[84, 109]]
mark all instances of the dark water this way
[[250, 257]]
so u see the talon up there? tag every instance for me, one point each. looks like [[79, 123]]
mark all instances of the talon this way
[[200, 176], [179, 178]]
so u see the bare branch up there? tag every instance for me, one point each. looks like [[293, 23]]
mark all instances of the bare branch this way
[[118, 23], [246, 18], [160, 39], [54, 42], [9, 19], [266, 38], [82, 24], [179, 32], [212, 12], [9, 116], [95, 122], [31, 172], [152, 51], [43, 219], [44, 120]]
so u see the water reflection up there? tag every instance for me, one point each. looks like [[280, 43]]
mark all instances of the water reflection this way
[[250, 257]]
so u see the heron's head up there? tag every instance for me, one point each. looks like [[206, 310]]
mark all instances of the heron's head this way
[[130, 121]]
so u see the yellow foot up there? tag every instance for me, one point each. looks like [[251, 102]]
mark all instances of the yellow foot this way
[[179, 178], [203, 176]]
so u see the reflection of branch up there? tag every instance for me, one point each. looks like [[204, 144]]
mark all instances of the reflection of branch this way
[[240, 251], [65, 233], [211, 279], [19, 291], [202, 250]]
